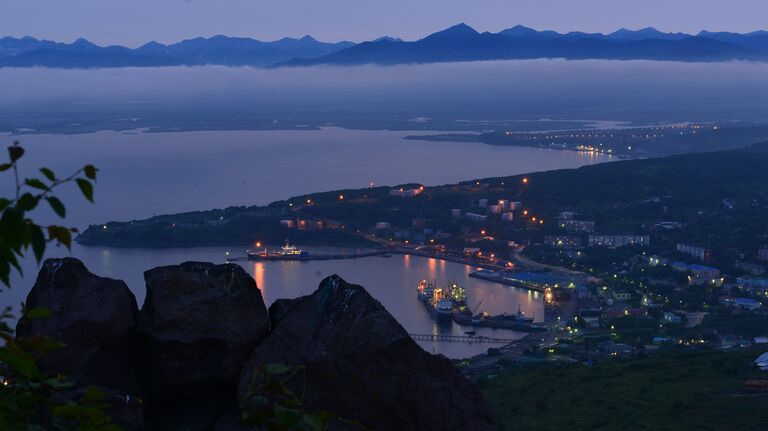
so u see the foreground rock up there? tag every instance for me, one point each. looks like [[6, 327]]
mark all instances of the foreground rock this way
[[94, 317], [201, 323], [362, 365]]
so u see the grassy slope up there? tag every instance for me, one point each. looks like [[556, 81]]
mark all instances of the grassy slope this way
[[696, 391]]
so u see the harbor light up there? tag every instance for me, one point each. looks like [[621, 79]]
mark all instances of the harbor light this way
[[341, 197], [525, 180], [258, 244]]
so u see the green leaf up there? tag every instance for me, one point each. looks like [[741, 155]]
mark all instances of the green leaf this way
[[90, 171], [37, 239], [48, 174], [60, 234], [86, 187], [5, 167], [35, 183], [37, 313], [15, 152], [57, 206], [93, 394], [27, 202]]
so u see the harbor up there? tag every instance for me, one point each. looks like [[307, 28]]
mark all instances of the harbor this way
[[449, 304]]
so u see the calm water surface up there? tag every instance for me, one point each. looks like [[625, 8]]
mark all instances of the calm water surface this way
[[143, 174], [392, 281], [146, 174]]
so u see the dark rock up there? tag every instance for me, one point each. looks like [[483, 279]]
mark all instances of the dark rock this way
[[94, 317], [362, 365], [201, 322]]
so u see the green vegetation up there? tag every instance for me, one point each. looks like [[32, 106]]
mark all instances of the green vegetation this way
[[30, 399], [672, 391]]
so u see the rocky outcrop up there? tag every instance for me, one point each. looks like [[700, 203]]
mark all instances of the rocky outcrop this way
[[94, 317], [201, 322], [362, 365], [203, 335]]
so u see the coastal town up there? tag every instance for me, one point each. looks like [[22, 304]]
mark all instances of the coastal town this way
[[622, 274]]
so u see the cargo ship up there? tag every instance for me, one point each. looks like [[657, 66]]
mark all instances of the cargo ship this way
[[286, 252], [440, 301]]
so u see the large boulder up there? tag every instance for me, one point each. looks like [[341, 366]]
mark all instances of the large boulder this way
[[201, 322], [94, 317], [360, 364]]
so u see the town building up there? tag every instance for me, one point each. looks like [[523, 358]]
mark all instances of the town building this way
[[516, 205], [456, 213], [494, 209], [700, 274], [700, 253], [567, 242], [476, 217], [482, 203], [614, 241], [508, 216], [577, 226], [382, 225]]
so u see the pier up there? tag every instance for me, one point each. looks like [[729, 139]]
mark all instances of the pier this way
[[460, 338], [310, 257]]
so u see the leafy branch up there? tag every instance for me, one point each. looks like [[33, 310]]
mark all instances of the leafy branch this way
[[29, 398], [18, 233]]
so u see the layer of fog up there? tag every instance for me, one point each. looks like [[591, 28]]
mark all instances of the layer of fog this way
[[523, 88]]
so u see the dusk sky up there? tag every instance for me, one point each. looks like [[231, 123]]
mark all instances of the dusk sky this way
[[137, 21]]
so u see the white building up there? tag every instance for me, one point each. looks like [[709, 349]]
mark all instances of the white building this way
[[618, 240], [476, 217]]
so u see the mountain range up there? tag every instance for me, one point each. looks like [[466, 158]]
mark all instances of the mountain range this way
[[457, 43]]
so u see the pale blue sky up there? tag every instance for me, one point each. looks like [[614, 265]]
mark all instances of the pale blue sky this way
[[133, 22]]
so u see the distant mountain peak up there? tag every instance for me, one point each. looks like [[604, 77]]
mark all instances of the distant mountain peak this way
[[457, 31], [387, 39], [308, 38]]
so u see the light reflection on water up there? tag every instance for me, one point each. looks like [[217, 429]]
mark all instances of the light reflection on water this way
[[392, 281]]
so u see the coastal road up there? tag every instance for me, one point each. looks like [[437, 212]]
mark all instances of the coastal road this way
[[524, 261]]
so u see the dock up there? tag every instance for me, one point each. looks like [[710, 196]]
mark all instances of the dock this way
[[460, 338], [501, 280], [310, 257]]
